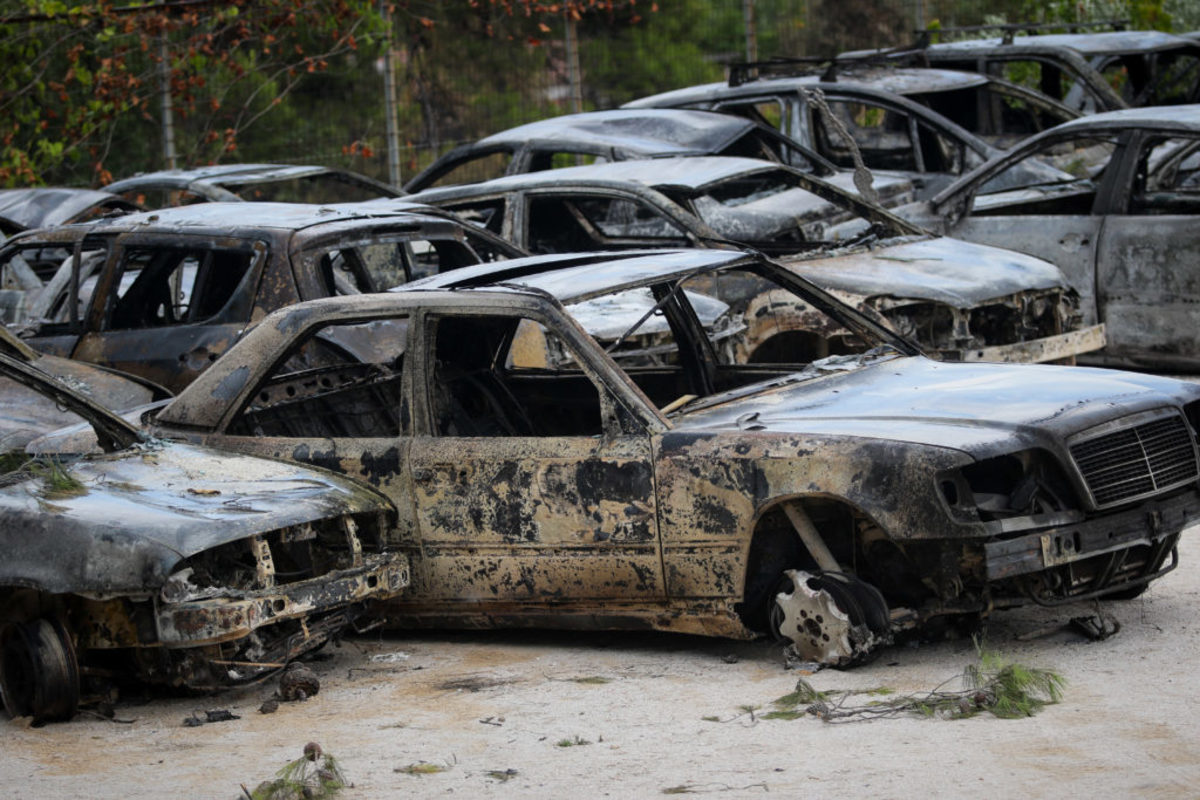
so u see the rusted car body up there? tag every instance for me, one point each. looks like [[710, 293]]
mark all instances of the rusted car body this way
[[1113, 199], [1091, 72], [955, 299], [172, 563], [540, 482], [930, 125], [163, 294], [267, 183], [627, 134]]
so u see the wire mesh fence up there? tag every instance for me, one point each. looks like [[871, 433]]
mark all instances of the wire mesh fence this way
[[466, 68]]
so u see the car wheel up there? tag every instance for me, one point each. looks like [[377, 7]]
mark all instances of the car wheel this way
[[834, 619], [39, 675]]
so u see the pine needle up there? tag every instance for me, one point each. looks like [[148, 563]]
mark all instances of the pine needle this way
[[1003, 689]]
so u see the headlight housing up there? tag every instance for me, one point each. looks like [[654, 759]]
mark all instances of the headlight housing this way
[[1013, 485]]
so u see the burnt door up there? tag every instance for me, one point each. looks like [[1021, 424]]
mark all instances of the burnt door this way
[[336, 401], [168, 311], [1148, 268], [526, 488]]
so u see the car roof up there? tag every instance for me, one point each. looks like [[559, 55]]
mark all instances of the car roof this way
[[898, 80], [1099, 43], [226, 173], [648, 131], [1177, 118], [232, 218], [688, 173], [44, 207], [573, 277]]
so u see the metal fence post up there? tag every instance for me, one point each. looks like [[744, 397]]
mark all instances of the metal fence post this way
[[390, 106], [164, 84]]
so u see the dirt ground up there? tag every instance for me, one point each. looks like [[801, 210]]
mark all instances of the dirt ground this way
[[551, 715]]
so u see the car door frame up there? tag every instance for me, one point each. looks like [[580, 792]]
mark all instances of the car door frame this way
[[694, 231], [608, 553]]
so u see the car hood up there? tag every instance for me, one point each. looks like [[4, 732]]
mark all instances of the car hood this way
[[980, 409], [141, 511], [29, 414], [940, 269]]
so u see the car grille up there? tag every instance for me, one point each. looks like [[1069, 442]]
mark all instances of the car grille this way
[[1136, 460]]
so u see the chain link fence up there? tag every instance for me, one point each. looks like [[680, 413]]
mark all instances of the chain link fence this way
[[466, 69]]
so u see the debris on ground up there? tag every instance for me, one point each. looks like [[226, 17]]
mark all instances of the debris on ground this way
[[1098, 626], [298, 682], [269, 706], [316, 775], [422, 768], [708, 788], [502, 775], [572, 742], [217, 715], [1005, 690]]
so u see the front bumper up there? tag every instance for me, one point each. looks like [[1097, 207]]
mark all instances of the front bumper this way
[[1099, 555], [223, 619], [1048, 348]]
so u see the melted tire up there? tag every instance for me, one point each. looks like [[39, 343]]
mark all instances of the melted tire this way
[[39, 675]]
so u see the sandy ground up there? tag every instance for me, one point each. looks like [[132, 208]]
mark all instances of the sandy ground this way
[[633, 709]]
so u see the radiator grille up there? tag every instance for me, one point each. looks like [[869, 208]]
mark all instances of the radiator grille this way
[[1137, 461]]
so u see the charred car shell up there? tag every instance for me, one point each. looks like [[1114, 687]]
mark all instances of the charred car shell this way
[[172, 563], [1113, 203], [226, 183], [629, 134], [927, 124], [679, 493], [953, 298]]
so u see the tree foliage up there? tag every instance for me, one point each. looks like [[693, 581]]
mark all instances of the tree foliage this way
[[82, 83]]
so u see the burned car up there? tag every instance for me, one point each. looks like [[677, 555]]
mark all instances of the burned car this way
[[956, 299], [266, 183], [1090, 71], [930, 125], [837, 502], [28, 413], [163, 294], [172, 563], [626, 134], [45, 207], [1113, 200]]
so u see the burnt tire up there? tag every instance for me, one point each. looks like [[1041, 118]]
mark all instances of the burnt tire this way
[[39, 674]]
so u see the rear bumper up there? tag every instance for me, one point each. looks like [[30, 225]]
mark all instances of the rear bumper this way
[[223, 619]]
